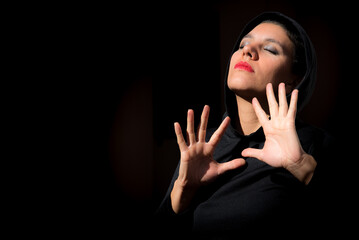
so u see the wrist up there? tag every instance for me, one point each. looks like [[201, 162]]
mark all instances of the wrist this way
[[181, 196], [303, 169]]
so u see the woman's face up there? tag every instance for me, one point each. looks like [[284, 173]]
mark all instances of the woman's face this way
[[265, 55]]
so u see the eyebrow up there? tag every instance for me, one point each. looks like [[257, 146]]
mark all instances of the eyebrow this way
[[267, 40]]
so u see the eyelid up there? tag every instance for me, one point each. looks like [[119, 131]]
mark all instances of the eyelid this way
[[267, 47], [243, 44], [271, 48]]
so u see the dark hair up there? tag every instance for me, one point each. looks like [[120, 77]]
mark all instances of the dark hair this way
[[299, 60]]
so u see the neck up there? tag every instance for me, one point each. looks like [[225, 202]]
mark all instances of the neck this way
[[247, 121]]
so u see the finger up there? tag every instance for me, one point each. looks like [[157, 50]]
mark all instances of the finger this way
[[293, 104], [283, 105], [190, 127], [261, 114], [217, 135], [203, 126], [231, 165], [272, 102], [252, 152], [180, 140], [197, 131]]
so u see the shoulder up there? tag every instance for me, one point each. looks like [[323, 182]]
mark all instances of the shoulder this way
[[310, 133], [315, 140]]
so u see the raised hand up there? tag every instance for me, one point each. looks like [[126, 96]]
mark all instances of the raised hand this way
[[282, 147], [197, 166]]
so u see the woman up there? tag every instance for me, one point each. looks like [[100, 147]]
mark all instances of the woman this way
[[261, 171]]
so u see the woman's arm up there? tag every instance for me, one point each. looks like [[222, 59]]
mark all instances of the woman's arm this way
[[197, 166]]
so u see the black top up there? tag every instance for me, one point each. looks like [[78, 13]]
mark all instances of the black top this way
[[257, 199]]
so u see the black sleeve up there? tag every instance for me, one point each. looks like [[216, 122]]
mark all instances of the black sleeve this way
[[166, 220], [323, 193]]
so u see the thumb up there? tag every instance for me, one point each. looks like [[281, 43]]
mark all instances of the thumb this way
[[231, 165], [252, 152]]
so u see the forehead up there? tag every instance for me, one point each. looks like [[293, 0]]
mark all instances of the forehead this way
[[264, 31]]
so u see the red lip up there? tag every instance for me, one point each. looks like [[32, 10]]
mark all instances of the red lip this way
[[244, 66]]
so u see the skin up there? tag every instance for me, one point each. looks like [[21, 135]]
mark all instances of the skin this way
[[269, 51]]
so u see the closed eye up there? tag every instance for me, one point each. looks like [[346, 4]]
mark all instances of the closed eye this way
[[243, 44], [271, 50]]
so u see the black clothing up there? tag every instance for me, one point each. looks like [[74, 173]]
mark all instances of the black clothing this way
[[257, 199]]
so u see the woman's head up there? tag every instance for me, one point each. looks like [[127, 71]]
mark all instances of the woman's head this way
[[298, 71], [270, 52]]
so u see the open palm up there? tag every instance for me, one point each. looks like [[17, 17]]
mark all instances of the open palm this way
[[197, 166], [282, 147]]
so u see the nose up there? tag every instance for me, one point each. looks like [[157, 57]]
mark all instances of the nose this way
[[250, 52]]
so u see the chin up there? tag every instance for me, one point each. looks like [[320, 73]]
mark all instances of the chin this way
[[245, 89], [240, 84]]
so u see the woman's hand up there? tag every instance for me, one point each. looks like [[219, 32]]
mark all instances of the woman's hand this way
[[282, 147], [197, 166]]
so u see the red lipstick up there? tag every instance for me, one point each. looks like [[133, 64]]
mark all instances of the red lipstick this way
[[244, 66]]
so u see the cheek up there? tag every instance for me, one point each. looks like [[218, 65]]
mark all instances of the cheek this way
[[279, 72], [234, 59]]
